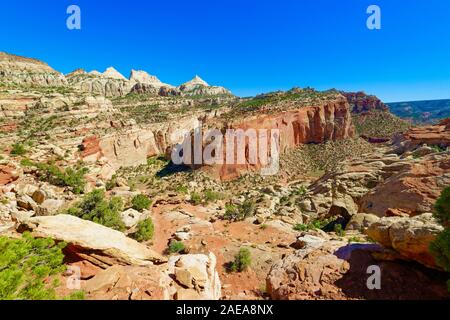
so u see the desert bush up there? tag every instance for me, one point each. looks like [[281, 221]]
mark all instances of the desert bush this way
[[176, 247], [181, 189], [111, 183], [241, 261], [440, 247], [28, 267], [145, 230], [437, 148], [212, 196], [442, 208], [196, 198], [70, 177], [207, 197], [94, 207], [240, 212], [339, 230], [18, 149], [313, 225], [140, 202]]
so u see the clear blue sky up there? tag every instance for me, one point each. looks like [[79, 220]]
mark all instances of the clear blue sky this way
[[248, 46]]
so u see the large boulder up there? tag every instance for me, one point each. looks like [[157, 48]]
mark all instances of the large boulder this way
[[98, 244], [413, 187], [187, 277], [361, 221], [126, 283], [336, 270], [193, 277], [8, 174], [410, 237], [130, 217]]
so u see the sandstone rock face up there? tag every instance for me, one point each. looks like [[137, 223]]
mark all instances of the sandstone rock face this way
[[379, 184], [130, 217], [336, 270], [98, 244], [193, 277], [361, 221], [163, 91], [113, 74], [26, 71], [315, 124], [16, 106], [126, 283], [133, 146], [8, 174], [197, 86], [143, 77], [414, 188], [109, 85], [361, 102], [411, 237], [188, 277], [431, 135]]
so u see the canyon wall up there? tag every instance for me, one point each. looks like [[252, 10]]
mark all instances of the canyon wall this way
[[315, 124]]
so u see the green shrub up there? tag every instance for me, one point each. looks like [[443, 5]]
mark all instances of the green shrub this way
[[70, 177], [241, 212], [94, 207], [145, 230], [314, 225], [27, 163], [301, 227], [26, 266], [181, 189], [241, 261], [176, 247], [141, 202], [440, 247], [437, 148], [355, 239], [339, 230], [156, 161], [212, 196], [112, 183], [18, 149], [196, 198], [442, 208], [77, 295]]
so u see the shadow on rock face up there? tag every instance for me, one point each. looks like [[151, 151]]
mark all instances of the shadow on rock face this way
[[400, 280]]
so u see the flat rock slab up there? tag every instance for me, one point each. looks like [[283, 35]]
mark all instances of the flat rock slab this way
[[100, 245]]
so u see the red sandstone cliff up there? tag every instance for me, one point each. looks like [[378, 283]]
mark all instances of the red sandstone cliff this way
[[361, 102], [315, 124], [432, 135]]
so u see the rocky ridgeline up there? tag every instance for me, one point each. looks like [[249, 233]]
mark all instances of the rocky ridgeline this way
[[25, 71], [360, 102], [18, 72], [112, 84]]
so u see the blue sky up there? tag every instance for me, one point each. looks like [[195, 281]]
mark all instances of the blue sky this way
[[248, 46]]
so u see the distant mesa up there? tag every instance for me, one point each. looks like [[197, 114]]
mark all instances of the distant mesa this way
[[198, 86], [26, 71], [143, 77], [196, 81], [361, 102], [113, 74]]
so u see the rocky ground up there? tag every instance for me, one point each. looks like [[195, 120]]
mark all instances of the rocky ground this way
[[344, 199]]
